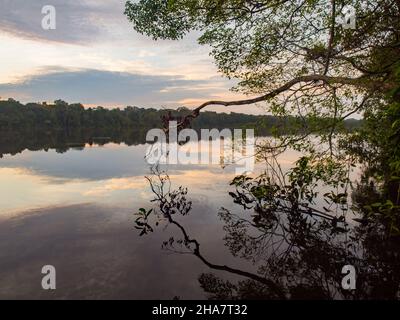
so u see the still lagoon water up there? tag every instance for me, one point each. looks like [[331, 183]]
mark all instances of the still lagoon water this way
[[75, 210]]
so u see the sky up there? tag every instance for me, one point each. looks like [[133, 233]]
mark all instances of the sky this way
[[95, 57]]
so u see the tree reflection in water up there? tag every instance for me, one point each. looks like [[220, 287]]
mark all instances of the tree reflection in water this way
[[299, 238]]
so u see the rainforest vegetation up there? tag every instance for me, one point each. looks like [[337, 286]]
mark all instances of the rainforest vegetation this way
[[301, 59]]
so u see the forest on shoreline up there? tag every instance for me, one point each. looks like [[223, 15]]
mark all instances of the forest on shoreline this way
[[15, 116], [61, 126]]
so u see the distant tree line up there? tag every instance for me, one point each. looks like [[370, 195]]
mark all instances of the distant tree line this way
[[15, 116], [61, 126]]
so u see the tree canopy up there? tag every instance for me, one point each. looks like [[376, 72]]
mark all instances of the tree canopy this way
[[294, 55], [270, 44], [301, 58], [297, 58]]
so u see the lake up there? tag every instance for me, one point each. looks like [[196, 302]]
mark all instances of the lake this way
[[75, 210]]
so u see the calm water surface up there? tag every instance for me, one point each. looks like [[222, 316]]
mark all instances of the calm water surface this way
[[74, 210]]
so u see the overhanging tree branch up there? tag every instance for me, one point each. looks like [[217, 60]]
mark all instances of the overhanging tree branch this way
[[359, 82]]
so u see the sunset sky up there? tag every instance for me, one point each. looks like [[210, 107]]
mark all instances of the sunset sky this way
[[95, 57]]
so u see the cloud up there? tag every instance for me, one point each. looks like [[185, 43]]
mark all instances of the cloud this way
[[108, 88], [77, 21], [94, 35]]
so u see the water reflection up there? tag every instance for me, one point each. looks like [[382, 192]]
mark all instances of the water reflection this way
[[299, 251], [75, 210], [95, 255]]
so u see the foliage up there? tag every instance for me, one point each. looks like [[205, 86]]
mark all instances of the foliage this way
[[298, 61]]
